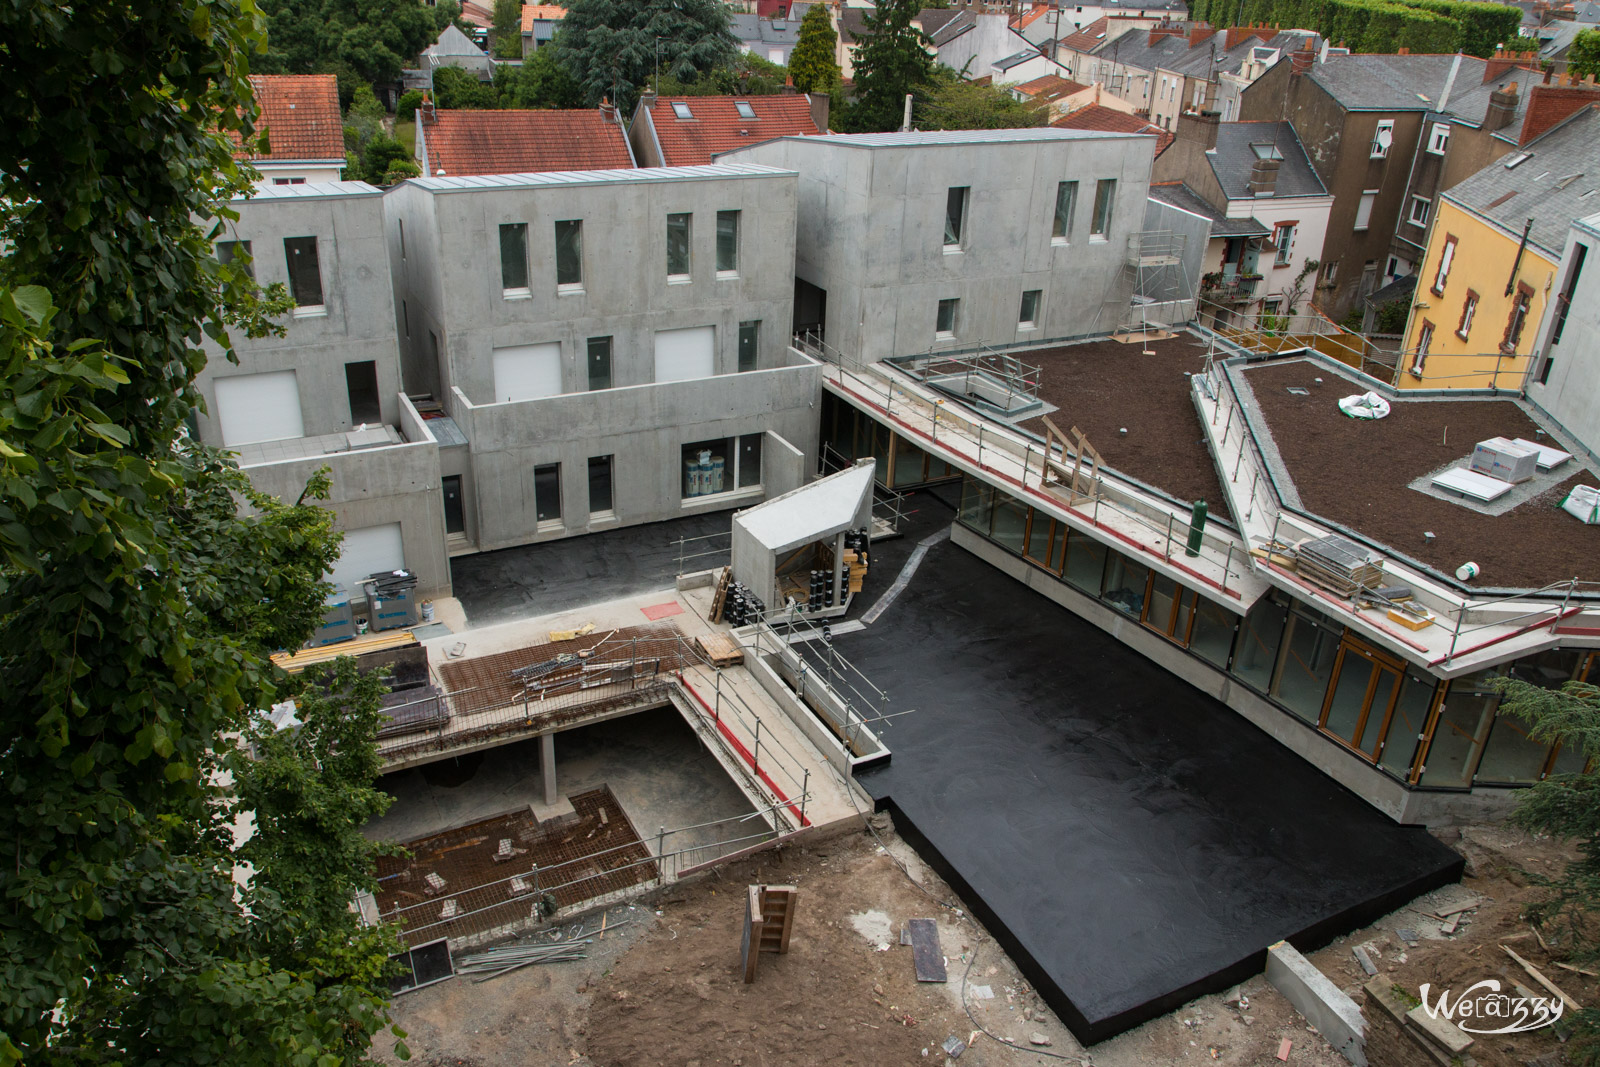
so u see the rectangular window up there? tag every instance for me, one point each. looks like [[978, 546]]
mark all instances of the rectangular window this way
[[229, 251], [455, 514], [547, 493], [1283, 241], [1066, 206], [599, 484], [1519, 318], [1105, 194], [1364, 209], [678, 245], [749, 332], [1469, 308], [361, 386], [1438, 138], [727, 242], [1580, 253], [945, 325], [569, 254], [305, 274], [750, 460], [1028, 317], [1382, 139], [1445, 259], [1424, 342], [1420, 206], [955, 215], [514, 257], [599, 363]]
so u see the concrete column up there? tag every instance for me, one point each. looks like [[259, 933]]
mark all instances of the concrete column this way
[[547, 766], [838, 569]]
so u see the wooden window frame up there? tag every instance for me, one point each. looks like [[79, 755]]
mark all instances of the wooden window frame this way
[[1517, 321], [1469, 311], [1441, 274]]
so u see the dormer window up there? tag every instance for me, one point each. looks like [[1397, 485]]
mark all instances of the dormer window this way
[[743, 108], [681, 109]]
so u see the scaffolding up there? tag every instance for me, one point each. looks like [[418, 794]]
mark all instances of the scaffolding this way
[[1161, 290]]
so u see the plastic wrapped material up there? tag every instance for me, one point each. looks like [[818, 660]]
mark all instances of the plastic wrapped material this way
[[1583, 504], [1365, 406]]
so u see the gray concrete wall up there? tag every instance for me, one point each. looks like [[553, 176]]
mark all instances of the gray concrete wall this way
[[359, 319], [419, 287], [1180, 287], [1573, 380], [783, 466], [871, 233], [644, 427]]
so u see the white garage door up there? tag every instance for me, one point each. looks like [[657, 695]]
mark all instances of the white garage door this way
[[367, 551], [523, 372], [258, 407], [685, 354]]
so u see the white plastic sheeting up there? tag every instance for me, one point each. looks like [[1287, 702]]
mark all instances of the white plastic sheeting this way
[[1365, 406], [1583, 504]]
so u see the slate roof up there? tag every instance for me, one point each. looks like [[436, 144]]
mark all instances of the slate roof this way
[[750, 29], [1233, 159], [716, 126], [951, 29], [532, 13], [1175, 53], [1180, 195], [300, 114], [1017, 59], [521, 142], [1110, 120], [1469, 97], [1556, 183], [853, 21], [1366, 82], [452, 42]]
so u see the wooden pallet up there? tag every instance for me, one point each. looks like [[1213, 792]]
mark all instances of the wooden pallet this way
[[719, 600], [720, 649], [768, 922]]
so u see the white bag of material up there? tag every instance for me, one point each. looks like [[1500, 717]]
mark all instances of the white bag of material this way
[[1583, 503], [1365, 406]]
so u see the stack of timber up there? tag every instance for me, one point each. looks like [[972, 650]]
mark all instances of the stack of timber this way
[[720, 650], [1339, 565], [857, 568]]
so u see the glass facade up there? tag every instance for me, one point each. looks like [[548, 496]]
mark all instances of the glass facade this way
[[848, 434]]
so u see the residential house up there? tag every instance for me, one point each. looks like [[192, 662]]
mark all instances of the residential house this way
[[850, 21], [985, 46], [1076, 51], [301, 127], [1496, 244], [687, 131], [1270, 212], [328, 392], [1055, 93], [1108, 116], [539, 22], [948, 241], [770, 38], [589, 331], [1364, 120], [453, 143], [1565, 375], [456, 49]]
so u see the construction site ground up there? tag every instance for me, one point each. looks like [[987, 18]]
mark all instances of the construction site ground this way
[[666, 989]]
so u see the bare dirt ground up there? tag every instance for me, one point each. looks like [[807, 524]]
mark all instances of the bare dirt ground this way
[[665, 989]]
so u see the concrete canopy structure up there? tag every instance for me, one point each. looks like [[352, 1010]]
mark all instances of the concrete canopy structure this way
[[822, 511]]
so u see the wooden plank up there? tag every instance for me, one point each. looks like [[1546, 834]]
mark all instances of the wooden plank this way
[[926, 955], [295, 662], [785, 897], [750, 944], [720, 649], [720, 598], [1533, 972]]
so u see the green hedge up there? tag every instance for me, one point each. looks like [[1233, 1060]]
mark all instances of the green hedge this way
[[1436, 26]]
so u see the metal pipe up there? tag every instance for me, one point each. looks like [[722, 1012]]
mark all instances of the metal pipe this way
[[1226, 565]]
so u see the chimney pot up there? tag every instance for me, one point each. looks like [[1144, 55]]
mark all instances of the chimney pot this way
[[1264, 177]]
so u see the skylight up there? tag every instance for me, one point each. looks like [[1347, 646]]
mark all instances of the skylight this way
[[744, 109], [1266, 151], [1520, 157], [681, 109]]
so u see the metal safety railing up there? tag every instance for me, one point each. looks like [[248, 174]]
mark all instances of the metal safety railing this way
[[888, 506], [714, 549]]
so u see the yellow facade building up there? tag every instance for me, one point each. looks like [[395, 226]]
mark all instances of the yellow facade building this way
[[1493, 249]]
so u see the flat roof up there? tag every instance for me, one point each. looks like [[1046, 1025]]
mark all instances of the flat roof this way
[[311, 191], [1358, 474], [449, 184], [1104, 387], [959, 137]]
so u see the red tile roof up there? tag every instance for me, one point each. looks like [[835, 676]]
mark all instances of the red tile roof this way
[[1549, 104], [477, 14], [1100, 117], [1027, 18], [463, 143], [533, 12], [1088, 38], [716, 125], [300, 115], [1050, 87]]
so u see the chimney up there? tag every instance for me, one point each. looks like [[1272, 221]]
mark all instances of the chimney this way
[[1200, 35], [1199, 128], [609, 113], [1165, 29], [1264, 177], [820, 103], [788, 86], [1301, 61], [426, 111], [647, 99], [1502, 107], [1503, 61]]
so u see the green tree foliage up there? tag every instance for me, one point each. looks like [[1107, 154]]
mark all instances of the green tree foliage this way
[[953, 103], [405, 109], [368, 146], [610, 47], [369, 40], [447, 13], [1583, 58], [893, 59], [539, 83], [459, 89], [506, 36], [1378, 25], [811, 63], [137, 607], [745, 74], [1566, 806]]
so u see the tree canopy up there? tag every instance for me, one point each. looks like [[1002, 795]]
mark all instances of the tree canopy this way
[[893, 59], [506, 36], [137, 606], [362, 41], [1583, 58], [812, 63], [953, 103], [611, 47]]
